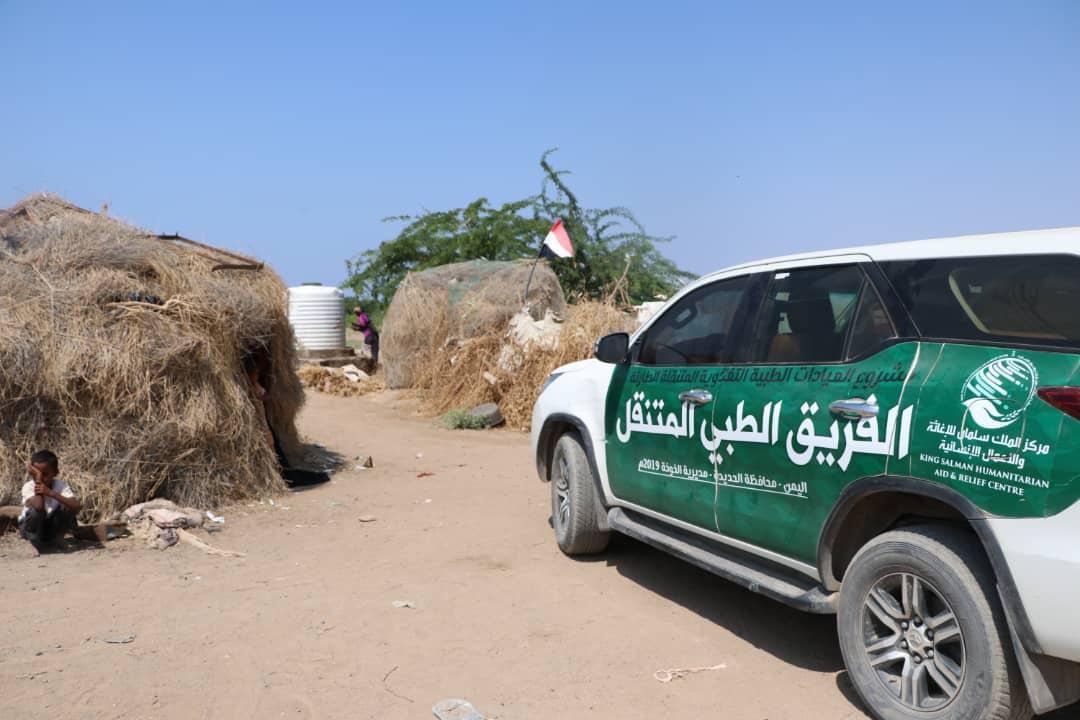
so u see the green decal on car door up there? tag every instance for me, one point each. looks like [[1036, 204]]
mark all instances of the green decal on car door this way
[[787, 440], [821, 405], [657, 406], [654, 459], [755, 434], [982, 430]]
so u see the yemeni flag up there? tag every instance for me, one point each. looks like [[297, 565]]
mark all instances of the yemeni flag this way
[[557, 243]]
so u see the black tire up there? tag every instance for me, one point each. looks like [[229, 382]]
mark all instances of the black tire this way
[[576, 508], [946, 571]]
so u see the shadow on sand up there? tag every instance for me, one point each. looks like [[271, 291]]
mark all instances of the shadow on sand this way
[[314, 466], [801, 639]]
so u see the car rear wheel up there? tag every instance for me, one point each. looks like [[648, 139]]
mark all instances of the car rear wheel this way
[[575, 503], [922, 632]]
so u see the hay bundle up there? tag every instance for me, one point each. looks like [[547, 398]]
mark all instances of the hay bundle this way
[[461, 375], [125, 354], [459, 301], [333, 381]]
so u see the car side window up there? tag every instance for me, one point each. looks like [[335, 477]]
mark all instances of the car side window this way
[[806, 315], [1023, 299], [871, 327], [695, 330]]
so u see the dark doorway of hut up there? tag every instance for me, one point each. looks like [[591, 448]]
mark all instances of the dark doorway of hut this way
[[257, 370]]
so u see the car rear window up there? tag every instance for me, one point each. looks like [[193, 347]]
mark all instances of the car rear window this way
[[1029, 299]]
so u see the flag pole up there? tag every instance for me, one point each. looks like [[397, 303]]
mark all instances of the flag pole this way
[[557, 235], [525, 300]]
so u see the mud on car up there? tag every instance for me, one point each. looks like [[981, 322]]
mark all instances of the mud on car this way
[[887, 433]]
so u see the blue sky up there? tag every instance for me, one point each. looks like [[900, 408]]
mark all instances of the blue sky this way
[[290, 130]]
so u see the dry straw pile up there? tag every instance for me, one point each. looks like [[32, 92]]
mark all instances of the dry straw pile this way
[[125, 353], [462, 300], [334, 382], [459, 373]]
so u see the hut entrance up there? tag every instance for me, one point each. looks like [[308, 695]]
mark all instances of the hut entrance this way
[[258, 368]]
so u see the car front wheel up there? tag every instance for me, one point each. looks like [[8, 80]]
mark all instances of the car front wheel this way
[[575, 503], [922, 632]]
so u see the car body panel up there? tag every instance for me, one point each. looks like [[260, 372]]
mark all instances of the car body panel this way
[[777, 490], [1043, 555], [981, 430], [653, 458], [972, 422], [578, 391]]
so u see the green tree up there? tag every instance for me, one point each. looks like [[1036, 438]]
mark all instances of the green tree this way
[[613, 252]]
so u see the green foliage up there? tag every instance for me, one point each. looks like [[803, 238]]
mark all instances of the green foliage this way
[[461, 420], [610, 244]]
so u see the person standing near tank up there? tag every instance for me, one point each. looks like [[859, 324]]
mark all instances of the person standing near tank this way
[[362, 323]]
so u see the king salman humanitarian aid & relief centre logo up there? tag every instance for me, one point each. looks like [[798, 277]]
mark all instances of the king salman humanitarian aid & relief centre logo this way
[[998, 392]]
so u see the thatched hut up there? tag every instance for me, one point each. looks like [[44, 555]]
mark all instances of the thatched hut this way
[[129, 354], [457, 302]]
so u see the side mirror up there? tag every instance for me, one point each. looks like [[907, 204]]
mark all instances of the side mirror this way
[[612, 348]]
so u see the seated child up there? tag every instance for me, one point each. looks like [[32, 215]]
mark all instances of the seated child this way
[[49, 504]]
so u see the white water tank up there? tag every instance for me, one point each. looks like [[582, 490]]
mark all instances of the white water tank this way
[[317, 314]]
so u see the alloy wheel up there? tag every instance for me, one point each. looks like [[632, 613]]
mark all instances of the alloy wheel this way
[[562, 493], [913, 641]]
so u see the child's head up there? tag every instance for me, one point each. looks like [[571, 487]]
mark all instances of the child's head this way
[[47, 463]]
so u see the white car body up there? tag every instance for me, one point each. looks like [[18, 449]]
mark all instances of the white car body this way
[[1042, 554]]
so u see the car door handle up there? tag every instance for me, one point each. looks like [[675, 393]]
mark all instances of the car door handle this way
[[853, 409], [698, 397]]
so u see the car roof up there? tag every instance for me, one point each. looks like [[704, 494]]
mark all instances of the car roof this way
[[1030, 242]]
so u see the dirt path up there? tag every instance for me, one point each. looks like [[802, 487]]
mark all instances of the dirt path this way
[[304, 626]]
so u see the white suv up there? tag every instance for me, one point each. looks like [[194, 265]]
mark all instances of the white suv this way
[[888, 433]]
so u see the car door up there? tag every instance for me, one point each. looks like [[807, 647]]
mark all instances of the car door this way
[[657, 404], [818, 406], [998, 373]]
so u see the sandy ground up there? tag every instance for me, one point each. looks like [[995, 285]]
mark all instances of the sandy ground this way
[[304, 626]]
